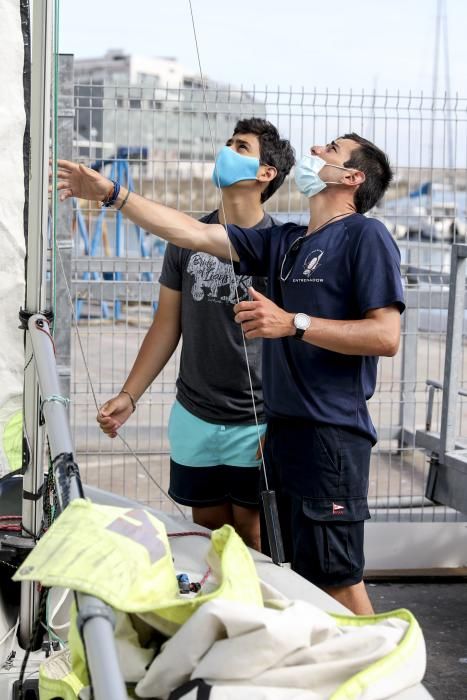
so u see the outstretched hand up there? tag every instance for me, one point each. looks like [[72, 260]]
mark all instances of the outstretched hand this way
[[76, 180], [261, 318], [114, 413]]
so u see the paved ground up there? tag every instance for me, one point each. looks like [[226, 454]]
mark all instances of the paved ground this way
[[441, 610]]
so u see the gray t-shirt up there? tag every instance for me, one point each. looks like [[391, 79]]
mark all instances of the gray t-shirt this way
[[213, 380]]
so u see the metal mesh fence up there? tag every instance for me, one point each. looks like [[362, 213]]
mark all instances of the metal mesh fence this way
[[160, 142]]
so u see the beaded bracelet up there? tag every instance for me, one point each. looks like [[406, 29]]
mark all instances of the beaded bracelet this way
[[112, 196]]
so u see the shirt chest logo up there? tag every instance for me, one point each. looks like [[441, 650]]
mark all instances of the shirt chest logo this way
[[310, 265], [312, 262]]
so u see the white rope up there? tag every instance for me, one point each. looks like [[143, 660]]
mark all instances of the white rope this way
[[10, 632], [234, 276], [88, 373]]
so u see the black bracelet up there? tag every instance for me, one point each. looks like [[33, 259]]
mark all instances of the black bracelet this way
[[124, 201]]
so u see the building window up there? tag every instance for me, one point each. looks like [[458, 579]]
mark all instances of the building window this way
[[135, 104]]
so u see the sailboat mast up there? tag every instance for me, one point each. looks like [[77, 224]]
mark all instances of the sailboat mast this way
[[441, 34], [41, 64]]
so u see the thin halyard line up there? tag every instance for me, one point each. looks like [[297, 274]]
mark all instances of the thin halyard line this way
[[260, 444], [88, 373]]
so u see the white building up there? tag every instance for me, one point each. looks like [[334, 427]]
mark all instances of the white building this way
[[152, 109]]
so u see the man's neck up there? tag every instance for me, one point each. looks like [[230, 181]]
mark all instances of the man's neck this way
[[242, 210], [326, 208]]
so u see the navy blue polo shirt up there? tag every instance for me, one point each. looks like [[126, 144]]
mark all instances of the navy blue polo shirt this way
[[341, 272]]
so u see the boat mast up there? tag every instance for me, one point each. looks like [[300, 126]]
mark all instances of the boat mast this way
[[441, 34], [41, 65]]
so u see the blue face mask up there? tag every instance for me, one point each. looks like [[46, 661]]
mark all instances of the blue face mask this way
[[307, 176], [231, 167]]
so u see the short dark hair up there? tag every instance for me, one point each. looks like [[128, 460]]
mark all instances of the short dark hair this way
[[273, 150], [372, 161]]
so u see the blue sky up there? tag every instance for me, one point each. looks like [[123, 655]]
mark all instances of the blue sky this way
[[303, 43]]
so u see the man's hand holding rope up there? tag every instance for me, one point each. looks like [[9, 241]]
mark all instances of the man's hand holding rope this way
[[261, 318]]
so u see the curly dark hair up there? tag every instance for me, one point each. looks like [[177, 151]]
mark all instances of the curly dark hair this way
[[372, 161], [273, 150]]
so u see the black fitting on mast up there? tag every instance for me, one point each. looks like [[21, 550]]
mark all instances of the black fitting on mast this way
[[65, 469], [24, 317]]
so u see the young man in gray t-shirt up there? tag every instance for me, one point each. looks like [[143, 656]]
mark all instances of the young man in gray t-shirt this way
[[212, 428]]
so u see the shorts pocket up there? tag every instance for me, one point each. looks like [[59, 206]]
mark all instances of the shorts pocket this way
[[327, 463], [328, 439], [345, 464], [173, 423], [337, 510], [329, 551]]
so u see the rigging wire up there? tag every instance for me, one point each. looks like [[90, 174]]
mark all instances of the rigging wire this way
[[234, 276], [91, 386], [57, 254]]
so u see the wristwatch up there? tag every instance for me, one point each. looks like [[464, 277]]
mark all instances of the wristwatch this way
[[301, 322]]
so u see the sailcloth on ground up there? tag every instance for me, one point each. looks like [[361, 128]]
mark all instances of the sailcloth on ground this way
[[12, 282]]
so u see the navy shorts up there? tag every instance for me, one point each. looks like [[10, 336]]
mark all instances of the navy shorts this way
[[320, 476], [212, 486]]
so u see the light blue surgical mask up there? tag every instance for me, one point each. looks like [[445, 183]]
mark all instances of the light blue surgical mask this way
[[307, 176], [231, 167]]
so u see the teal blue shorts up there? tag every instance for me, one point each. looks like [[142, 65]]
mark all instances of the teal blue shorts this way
[[197, 443]]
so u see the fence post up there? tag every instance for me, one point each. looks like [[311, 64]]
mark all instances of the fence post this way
[[407, 407], [63, 317], [453, 349]]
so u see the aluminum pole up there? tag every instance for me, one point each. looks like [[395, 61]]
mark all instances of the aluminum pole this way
[[54, 405], [41, 62], [95, 619], [453, 353]]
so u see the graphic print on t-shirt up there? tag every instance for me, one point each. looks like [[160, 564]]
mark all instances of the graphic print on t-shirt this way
[[214, 280]]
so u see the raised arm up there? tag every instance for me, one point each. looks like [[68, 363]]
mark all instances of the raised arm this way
[[76, 180]]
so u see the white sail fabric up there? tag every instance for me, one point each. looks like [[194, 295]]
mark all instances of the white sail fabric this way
[[12, 125], [299, 652]]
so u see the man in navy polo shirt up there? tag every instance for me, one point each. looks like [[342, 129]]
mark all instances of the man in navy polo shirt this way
[[335, 298], [339, 296]]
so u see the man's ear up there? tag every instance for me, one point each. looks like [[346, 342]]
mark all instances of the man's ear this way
[[352, 178], [266, 173]]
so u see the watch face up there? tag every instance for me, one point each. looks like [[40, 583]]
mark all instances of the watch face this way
[[302, 321]]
